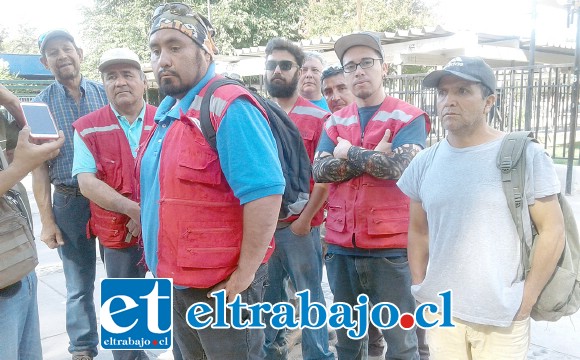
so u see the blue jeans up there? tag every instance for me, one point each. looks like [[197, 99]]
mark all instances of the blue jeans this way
[[218, 344], [78, 255], [300, 259], [19, 326], [124, 263], [383, 280]]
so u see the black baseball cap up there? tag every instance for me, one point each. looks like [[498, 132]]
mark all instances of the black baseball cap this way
[[468, 68], [364, 38]]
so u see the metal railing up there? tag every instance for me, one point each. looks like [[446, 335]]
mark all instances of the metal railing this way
[[26, 90], [550, 108]]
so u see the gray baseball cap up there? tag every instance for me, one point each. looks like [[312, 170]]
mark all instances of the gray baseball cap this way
[[364, 38], [52, 34], [465, 67]]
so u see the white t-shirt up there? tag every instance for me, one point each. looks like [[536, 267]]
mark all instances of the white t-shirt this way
[[474, 248]]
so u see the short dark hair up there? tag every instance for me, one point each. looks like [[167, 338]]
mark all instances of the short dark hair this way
[[287, 45], [331, 71]]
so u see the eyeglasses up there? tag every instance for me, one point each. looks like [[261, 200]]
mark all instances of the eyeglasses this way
[[365, 63], [284, 65], [174, 8]]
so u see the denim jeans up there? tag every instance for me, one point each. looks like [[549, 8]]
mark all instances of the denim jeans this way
[[218, 344], [19, 325], [78, 255], [383, 280], [124, 263], [300, 259]]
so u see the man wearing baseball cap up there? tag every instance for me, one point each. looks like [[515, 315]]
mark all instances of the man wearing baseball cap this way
[[105, 146], [364, 149], [462, 236], [64, 224], [208, 216]]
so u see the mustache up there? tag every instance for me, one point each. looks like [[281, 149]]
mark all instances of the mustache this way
[[277, 77], [166, 72]]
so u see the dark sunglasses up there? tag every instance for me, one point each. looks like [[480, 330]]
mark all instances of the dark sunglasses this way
[[284, 65]]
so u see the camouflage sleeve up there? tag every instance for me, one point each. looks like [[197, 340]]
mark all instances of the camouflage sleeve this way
[[387, 166], [327, 169]]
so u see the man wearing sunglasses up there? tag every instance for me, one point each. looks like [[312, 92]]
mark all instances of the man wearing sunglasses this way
[[363, 151], [64, 217], [298, 252], [208, 217]]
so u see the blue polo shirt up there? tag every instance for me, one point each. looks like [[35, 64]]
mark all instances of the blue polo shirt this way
[[321, 103], [246, 149]]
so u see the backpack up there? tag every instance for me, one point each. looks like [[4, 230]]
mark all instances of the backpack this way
[[292, 153], [561, 295]]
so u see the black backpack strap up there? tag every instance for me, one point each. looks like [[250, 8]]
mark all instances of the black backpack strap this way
[[205, 122]]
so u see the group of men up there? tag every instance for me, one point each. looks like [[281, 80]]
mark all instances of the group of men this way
[[401, 224]]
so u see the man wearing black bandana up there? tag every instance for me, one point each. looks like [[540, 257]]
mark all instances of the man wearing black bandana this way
[[208, 217]]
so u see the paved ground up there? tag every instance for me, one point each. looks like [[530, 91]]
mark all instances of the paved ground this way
[[550, 341]]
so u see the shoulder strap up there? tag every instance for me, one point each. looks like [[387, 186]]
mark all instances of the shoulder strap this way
[[4, 162], [205, 122], [511, 161]]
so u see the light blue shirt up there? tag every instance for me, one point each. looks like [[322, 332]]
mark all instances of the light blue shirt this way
[[84, 161], [321, 103], [247, 152]]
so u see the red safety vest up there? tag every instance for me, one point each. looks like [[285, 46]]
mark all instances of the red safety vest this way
[[200, 219], [309, 120], [367, 212], [107, 142]]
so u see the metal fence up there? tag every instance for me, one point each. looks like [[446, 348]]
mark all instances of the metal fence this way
[[550, 108]]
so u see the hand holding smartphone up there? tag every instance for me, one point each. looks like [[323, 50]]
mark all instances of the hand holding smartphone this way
[[40, 121]]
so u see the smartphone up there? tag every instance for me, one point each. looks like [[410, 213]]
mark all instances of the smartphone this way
[[40, 121]]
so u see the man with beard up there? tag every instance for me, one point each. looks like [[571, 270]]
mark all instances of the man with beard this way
[[310, 79], [364, 149], [64, 223], [208, 217], [298, 252]]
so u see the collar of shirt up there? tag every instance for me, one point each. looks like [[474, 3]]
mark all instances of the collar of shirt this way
[[83, 85], [167, 112], [124, 119]]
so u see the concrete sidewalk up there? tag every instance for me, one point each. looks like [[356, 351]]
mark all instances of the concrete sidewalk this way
[[550, 341]]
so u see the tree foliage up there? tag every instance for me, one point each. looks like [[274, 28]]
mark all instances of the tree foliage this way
[[22, 42], [115, 23], [244, 23], [335, 17], [239, 23]]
